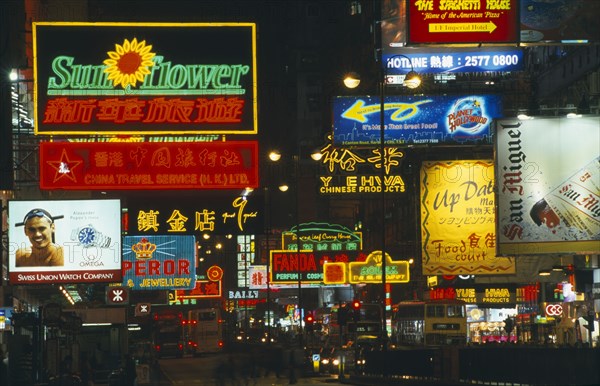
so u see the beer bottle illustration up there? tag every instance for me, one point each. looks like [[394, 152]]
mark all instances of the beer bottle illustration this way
[[574, 205]]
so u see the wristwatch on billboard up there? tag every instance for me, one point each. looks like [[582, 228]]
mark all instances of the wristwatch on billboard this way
[[88, 236]]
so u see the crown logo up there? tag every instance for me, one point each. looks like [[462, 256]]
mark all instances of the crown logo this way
[[143, 249]]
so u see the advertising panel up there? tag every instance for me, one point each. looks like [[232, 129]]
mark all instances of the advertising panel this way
[[142, 78], [148, 165], [458, 219], [548, 192], [443, 120], [66, 241], [455, 60], [223, 214], [463, 21], [159, 262]]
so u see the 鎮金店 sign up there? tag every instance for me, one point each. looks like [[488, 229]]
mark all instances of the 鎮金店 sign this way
[[148, 165], [415, 119], [463, 21], [159, 262], [145, 78]]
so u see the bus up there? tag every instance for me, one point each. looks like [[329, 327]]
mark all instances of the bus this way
[[205, 331], [345, 324], [429, 323], [167, 333]]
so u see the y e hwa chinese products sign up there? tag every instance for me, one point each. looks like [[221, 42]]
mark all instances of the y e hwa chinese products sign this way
[[64, 241], [133, 78], [548, 178], [148, 165], [415, 119], [458, 219], [159, 262], [462, 21]]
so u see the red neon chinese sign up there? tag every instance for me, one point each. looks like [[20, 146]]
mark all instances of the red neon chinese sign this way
[[148, 165]]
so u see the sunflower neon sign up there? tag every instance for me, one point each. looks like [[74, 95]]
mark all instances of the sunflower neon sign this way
[[147, 80], [129, 63]]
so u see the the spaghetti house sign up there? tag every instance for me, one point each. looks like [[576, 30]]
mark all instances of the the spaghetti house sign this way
[[132, 78]]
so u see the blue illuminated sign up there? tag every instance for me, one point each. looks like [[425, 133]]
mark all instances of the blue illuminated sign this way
[[159, 262], [415, 119], [436, 61]]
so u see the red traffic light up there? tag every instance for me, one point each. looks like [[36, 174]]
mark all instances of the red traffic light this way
[[356, 304], [309, 319]]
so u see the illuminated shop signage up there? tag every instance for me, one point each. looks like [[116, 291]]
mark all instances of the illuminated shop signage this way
[[321, 237], [463, 21], [457, 60], [493, 296], [289, 266], [148, 165], [358, 171], [371, 270], [216, 215], [458, 219], [64, 241], [159, 262], [415, 119], [555, 207], [115, 78]]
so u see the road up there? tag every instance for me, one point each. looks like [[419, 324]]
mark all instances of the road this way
[[216, 370]]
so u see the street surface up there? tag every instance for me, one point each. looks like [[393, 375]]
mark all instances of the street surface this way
[[215, 370]]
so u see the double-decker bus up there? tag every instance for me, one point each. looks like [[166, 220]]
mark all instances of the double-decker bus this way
[[346, 324], [167, 333], [429, 323], [205, 330]]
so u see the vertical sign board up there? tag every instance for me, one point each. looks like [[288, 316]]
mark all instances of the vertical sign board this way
[[141, 78], [548, 173], [159, 262], [80, 242], [458, 219]]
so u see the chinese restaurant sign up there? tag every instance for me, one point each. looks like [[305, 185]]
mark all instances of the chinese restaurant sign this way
[[415, 119], [148, 165], [321, 237], [462, 21], [458, 219], [217, 215], [548, 190], [85, 248], [134, 78], [159, 262], [358, 171]]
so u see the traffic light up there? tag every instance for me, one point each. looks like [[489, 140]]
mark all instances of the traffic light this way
[[356, 310], [309, 320], [590, 321], [342, 315], [356, 304]]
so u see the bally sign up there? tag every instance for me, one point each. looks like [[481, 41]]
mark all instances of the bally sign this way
[[159, 262]]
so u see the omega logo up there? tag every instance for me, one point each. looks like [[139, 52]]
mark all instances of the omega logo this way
[[554, 310]]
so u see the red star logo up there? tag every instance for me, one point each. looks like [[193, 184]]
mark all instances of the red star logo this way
[[65, 167]]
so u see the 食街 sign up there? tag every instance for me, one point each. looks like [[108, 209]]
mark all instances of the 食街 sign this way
[[458, 219], [134, 78], [415, 119], [463, 21], [159, 262], [148, 165]]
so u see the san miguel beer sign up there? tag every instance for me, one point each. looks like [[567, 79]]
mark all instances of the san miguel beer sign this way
[[148, 165], [132, 78]]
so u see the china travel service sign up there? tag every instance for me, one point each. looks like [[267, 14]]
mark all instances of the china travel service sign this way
[[142, 78]]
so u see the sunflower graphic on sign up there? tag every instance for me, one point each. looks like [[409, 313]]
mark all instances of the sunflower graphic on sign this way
[[129, 62]]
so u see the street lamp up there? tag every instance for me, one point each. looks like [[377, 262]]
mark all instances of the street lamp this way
[[412, 80]]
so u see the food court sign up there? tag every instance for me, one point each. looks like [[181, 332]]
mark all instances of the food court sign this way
[[132, 78]]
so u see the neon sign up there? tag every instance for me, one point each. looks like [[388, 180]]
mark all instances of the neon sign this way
[[123, 84]]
